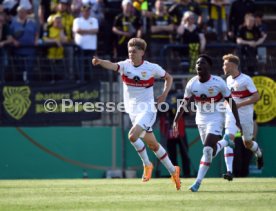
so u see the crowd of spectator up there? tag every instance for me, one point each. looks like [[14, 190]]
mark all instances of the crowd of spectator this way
[[99, 27]]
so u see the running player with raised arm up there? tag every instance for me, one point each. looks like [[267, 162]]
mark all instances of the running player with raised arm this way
[[138, 79], [245, 94], [209, 93]]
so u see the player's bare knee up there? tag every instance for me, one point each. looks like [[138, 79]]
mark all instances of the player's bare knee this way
[[248, 144], [132, 136]]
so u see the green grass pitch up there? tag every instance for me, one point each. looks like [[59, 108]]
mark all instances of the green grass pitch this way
[[131, 194]]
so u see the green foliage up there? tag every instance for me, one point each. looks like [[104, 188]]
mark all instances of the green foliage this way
[[131, 194]]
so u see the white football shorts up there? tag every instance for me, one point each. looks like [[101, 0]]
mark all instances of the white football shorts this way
[[144, 120], [230, 123], [215, 128]]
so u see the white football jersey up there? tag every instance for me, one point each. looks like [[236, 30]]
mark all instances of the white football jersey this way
[[138, 85], [241, 88], [207, 95]]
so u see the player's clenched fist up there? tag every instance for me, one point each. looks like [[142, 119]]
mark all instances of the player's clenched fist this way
[[95, 61]]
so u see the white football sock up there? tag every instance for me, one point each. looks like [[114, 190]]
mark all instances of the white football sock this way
[[256, 149], [229, 157], [142, 151], [205, 163], [162, 155]]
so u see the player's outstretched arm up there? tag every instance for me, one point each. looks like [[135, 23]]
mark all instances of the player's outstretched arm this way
[[105, 63]]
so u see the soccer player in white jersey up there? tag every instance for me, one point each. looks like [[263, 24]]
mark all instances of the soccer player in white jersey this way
[[209, 93], [245, 94], [138, 79]]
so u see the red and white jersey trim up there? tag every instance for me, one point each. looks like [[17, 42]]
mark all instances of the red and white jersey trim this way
[[216, 98], [241, 94], [140, 83]]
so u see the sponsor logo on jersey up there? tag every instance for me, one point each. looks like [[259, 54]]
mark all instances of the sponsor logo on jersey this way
[[203, 96], [136, 79], [265, 108]]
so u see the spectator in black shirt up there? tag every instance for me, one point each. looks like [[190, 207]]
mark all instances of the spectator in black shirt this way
[[177, 10], [190, 34], [162, 28], [126, 26], [259, 22], [238, 10], [249, 38]]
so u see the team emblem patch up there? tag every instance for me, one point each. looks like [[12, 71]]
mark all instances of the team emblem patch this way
[[211, 90], [144, 74]]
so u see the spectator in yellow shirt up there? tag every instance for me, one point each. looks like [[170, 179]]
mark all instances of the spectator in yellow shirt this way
[[55, 34], [66, 17]]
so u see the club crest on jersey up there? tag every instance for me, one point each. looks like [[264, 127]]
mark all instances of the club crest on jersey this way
[[211, 90], [144, 74]]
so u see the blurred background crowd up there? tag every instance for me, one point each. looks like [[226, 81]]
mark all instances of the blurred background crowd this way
[[54, 40]]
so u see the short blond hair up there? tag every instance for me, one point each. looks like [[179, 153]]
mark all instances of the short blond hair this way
[[232, 58], [138, 43]]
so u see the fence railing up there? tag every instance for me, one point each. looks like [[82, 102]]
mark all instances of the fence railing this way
[[264, 61], [45, 63], [73, 66]]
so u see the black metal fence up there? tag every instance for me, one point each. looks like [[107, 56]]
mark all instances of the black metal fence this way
[[41, 67], [264, 62], [74, 66]]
